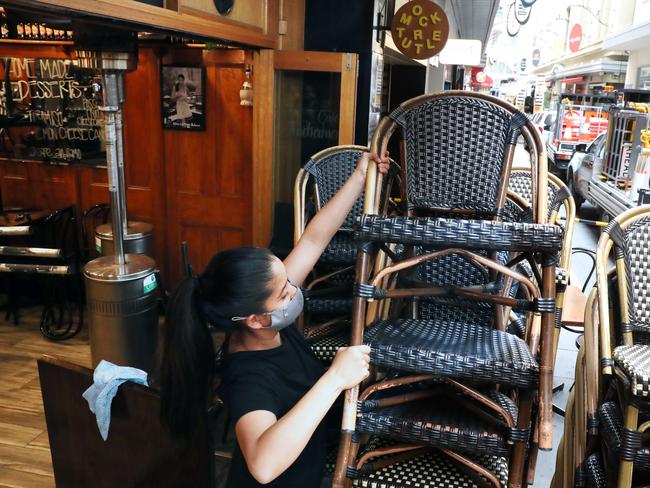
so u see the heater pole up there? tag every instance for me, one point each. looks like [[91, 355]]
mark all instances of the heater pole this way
[[111, 110]]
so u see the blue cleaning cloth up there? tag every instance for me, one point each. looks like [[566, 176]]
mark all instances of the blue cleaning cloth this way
[[106, 380]]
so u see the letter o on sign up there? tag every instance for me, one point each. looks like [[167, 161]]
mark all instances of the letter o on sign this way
[[420, 29]]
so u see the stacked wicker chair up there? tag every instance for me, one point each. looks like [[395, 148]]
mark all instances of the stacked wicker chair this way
[[608, 445], [450, 382], [328, 294], [562, 212], [625, 356]]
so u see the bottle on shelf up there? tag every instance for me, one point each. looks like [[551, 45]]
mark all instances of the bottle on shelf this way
[[4, 26], [20, 30], [28, 30]]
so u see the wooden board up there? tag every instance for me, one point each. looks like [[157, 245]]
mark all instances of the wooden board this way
[[141, 14]]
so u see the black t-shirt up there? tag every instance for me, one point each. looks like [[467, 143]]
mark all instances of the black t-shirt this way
[[274, 380]]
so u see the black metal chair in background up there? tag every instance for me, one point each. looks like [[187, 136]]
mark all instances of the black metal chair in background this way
[[47, 256]]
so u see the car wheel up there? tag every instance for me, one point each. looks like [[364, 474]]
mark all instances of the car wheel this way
[[577, 198]]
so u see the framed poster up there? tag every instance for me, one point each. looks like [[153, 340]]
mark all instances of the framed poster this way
[[182, 101]]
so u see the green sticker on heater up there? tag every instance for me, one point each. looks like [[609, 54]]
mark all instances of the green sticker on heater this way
[[149, 284]]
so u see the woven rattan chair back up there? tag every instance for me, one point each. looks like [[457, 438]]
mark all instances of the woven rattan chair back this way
[[630, 236], [321, 177], [454, 151], [560, 211], [455, 270]]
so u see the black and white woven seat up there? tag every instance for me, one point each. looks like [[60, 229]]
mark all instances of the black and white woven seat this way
[[594, 472], [326, 345], [441, 421], [611, 429], [634, 360], [452, 349], [432, 469]]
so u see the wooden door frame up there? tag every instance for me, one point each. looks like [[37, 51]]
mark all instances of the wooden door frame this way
[[265, 64]]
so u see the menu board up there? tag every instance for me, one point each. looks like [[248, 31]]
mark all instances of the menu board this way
[[52, 113]]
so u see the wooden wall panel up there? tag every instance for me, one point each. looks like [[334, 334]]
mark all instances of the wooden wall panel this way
[[17, 190], [190, 185], [209, 173]]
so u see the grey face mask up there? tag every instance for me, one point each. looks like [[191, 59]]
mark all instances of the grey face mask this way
[[283, 317]]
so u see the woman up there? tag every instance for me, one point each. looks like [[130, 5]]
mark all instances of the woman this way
[[180, 94], [276, 390]]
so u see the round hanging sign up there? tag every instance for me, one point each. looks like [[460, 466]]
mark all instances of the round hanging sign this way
[[512, 24], [420, 29], [575, 37]]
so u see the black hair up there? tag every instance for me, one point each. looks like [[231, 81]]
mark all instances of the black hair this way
[[235, 282], [177, 85]]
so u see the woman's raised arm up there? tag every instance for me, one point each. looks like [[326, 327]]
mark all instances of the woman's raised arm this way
[[328, 220]]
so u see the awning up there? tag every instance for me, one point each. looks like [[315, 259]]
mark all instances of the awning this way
[[637, 37], [600, 66]]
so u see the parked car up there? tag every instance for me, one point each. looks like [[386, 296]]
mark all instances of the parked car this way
[[543, 121], [581, 167]]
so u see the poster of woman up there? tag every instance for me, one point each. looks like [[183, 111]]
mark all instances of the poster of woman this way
[[182, 91]]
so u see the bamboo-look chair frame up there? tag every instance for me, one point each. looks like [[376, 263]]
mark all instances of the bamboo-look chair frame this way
[[582, 403], [630, 405], [379, 143]]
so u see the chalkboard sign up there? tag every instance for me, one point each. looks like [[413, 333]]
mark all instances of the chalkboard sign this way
[[51, 114]]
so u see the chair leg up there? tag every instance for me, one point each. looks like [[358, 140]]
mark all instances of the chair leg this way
[[342, 460], [627, 455], [518, 459]]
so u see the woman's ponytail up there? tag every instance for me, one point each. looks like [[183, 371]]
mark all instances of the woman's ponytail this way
[[188, 362], [234, 283]]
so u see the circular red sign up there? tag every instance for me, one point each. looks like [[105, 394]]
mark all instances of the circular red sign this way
[[575, 38]]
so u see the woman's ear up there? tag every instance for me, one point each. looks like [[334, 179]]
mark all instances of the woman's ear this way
[[257, 321]]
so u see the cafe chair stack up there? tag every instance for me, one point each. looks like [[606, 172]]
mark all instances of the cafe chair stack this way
[[610, 444], [453, 386]]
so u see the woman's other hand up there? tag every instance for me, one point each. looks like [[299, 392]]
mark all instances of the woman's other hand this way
[[383, 163], [351, 366]]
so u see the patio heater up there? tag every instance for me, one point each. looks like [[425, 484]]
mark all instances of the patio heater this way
[[137, 237], [121, 302]]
